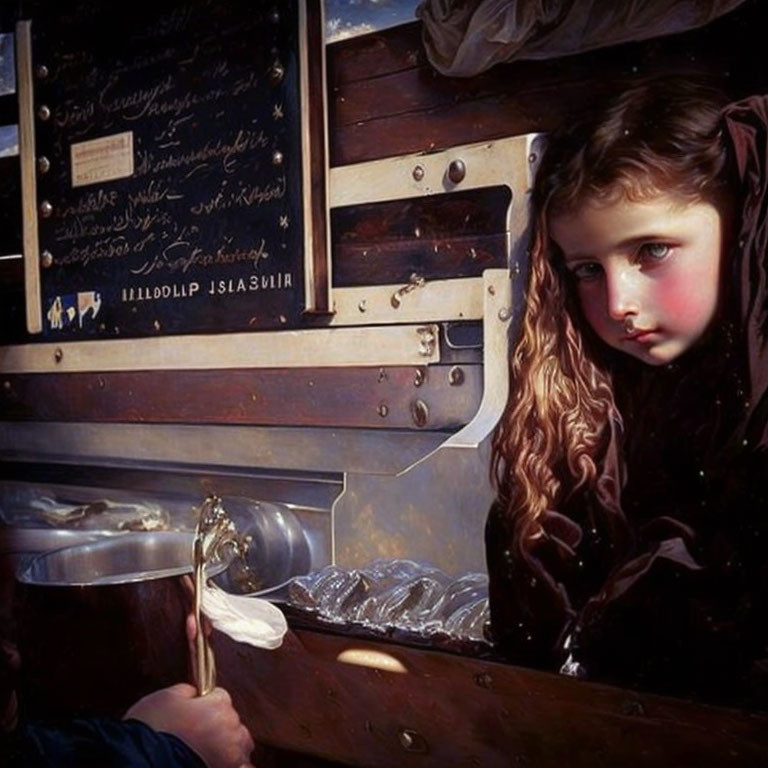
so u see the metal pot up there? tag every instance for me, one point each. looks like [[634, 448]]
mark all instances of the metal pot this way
[[102, 624]]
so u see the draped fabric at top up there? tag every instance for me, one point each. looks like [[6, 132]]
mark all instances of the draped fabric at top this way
[[466, 37], [661, 581]]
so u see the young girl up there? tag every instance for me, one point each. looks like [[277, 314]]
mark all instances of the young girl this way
[[628, 541]]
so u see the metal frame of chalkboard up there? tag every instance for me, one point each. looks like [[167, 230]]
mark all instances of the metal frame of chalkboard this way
[[313, 207]]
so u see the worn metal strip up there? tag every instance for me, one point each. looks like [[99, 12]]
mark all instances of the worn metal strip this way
[[414, 302], [396, 345], [503, 162], [33, 301]]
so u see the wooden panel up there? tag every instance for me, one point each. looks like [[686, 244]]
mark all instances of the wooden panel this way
[[345, 397], [449, 235], [394, 262], [379, 53], [385, 99], [450, 710]]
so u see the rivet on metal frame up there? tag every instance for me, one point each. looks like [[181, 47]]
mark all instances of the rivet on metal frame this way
[[457, 170], [46, 259], [504, 314], [419, 377], [456, 376], [418, 173], [277, 157], [44, 112], [46, 209], [383, 410], [419, 413], [41, 71], [58, 354], [43, 164], [412, 741]]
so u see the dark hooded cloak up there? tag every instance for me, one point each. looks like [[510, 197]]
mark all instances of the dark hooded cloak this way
[[660, 579]]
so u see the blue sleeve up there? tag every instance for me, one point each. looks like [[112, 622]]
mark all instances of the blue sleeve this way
[[97, 742]]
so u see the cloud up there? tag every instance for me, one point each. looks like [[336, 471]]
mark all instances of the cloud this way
[[335, 29]]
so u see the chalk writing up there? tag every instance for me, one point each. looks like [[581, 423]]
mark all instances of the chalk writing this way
[[205, 216], [243, 196]]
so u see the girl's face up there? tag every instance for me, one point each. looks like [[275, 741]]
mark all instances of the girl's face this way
[[647, 272]]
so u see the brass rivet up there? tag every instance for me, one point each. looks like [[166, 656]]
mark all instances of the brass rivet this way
[[457, 170], [44, 112], [46, 259], [58, 354], [418, 173], [46, 209], [43, 164]]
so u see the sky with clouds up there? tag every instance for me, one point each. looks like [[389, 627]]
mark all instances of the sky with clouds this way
[[348, 18]]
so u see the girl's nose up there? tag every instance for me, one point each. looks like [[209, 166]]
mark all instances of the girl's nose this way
[[623, 294]]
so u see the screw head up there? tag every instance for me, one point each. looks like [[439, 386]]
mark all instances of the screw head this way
[[419, 413], [457, 170], [456, 376]]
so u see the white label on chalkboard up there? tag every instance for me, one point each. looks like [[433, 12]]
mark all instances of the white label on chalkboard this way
[[103, 159]]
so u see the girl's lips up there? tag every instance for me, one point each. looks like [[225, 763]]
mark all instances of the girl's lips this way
[[642, 336]]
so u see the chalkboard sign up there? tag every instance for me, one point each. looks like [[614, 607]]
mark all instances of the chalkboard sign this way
[[171, 190]]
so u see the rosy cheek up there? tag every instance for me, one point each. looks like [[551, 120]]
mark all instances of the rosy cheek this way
[[686, 303]]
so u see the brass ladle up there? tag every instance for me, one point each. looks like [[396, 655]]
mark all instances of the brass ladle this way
[[213, 532]]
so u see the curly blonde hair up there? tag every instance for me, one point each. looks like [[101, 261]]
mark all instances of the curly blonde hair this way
[[561, 418]]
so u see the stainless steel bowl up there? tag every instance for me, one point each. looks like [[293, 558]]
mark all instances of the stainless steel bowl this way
[[123, 559]]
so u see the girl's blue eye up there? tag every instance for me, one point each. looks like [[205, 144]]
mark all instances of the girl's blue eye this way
[[655, 251], [587, 271]]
